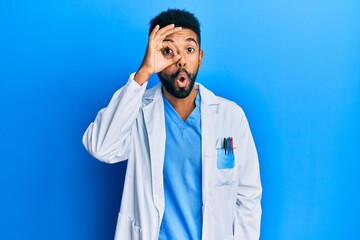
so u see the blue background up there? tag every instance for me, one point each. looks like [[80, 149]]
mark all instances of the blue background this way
[[294, 66]]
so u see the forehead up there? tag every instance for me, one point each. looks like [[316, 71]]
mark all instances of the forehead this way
[[184, 35]]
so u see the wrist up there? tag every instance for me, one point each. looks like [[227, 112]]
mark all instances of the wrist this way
[[142, 76]]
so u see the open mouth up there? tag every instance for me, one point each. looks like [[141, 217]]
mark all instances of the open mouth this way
[[181, 79]]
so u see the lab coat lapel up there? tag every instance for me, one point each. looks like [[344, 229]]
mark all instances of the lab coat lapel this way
[[155, 127], [209, 126]]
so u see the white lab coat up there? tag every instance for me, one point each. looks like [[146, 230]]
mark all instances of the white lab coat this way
[[132, 127]]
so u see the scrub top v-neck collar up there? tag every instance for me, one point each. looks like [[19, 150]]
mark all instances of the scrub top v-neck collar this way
[[190, 121]]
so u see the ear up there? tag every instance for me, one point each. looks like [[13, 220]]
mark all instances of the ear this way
[[201, 54]]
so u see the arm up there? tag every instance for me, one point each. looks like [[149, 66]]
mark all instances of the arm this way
[[248, 205], [108, 137]]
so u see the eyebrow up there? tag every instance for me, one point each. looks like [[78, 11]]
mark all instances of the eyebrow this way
[[190, 39]]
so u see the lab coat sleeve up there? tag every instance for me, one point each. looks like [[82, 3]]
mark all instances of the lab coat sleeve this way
[[249, 191], [108, 137]]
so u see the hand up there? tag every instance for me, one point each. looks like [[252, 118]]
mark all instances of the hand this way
[[154, 60]]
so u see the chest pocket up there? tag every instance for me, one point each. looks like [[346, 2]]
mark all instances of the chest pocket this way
[[225, 167]]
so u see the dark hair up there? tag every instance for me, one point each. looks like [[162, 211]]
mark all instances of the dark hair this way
[[181, 18]]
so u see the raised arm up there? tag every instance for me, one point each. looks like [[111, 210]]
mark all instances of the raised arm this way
[[108, 137]]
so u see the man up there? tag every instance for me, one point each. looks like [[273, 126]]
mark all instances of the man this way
[[192, 169]]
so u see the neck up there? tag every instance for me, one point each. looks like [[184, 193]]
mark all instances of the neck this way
[[183, 106]]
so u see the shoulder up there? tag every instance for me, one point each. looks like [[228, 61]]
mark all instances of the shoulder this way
[[224, 104], [152, 95]]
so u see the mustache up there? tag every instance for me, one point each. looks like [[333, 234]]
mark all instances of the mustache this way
[[181, 70]]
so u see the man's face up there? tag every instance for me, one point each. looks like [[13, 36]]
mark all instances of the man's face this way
[[178, 79]]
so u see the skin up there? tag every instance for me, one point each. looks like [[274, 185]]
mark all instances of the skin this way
[[169, 50]]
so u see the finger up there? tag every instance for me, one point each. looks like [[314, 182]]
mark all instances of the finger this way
[[170, 61], [169, 32], [154, 31], [159, 34], [167, 27], [159, 39]]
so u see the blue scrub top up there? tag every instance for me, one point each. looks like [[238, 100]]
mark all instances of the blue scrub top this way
[[182, 175]]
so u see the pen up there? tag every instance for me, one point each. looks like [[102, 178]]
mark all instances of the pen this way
[[228, 145]]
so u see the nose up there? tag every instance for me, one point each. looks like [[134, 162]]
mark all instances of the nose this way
[[182, 62]]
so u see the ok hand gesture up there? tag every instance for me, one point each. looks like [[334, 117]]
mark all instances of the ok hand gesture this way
[[154, 60]]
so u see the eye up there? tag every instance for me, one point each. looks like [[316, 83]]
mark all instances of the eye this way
[[167, 51], [190, 49]]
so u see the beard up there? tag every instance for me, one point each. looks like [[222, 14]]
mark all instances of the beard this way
[[169, 80]]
